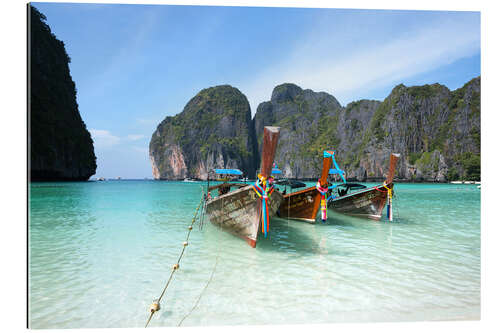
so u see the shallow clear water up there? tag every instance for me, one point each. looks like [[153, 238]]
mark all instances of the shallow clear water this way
[[100, 252]]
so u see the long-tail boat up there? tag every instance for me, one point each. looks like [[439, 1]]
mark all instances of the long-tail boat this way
[[304, 204], [248, 208], [359, 200]]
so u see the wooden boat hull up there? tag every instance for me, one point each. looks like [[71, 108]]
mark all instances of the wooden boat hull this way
[[301, 205], [367, 203], [239, 212]]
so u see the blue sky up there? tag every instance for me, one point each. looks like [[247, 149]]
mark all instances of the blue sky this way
[[133, 65]]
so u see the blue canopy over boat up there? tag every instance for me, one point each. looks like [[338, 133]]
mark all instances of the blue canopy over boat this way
[[228, 171], [276, 171]]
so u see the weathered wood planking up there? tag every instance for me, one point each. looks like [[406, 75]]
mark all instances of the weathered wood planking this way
[[369, 202], [239, 212]]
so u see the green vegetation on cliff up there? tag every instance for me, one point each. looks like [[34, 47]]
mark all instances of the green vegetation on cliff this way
[[308, 123], [467, 167], [325, 135], [437, 132], [213, 130]]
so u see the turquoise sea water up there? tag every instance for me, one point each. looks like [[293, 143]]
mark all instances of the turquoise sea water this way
[[100, 252]]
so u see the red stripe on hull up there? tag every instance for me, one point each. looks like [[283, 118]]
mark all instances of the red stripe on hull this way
[[251, 242]]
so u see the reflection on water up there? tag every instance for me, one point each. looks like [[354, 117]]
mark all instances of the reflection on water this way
[[100, 252]]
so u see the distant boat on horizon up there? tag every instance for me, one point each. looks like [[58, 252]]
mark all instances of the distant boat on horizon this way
[[468, 182]]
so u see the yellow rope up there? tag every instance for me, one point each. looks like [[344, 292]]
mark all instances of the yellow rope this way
[[155, 306], [389, 190]]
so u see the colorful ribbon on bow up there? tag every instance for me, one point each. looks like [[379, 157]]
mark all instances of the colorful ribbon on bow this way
[[264, 187], [322, 191], [389, 204]]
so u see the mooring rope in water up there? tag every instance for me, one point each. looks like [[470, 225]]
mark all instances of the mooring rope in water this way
[[206, 197], [211, 275], [155, 306], [203, 291]]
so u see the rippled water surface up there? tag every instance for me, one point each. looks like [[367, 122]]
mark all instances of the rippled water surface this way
[[100, 252]]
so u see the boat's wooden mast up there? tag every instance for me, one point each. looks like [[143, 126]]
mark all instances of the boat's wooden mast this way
[[392, 168], [323, 181], [327, 163], [269, 144]]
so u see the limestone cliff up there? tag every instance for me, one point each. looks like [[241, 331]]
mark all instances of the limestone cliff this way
[[307, 120], [213, 131], [60, 145], [436, 130]]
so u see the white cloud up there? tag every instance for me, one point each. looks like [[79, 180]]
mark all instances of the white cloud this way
[[343, 74], [135, 137], [103, 139]]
